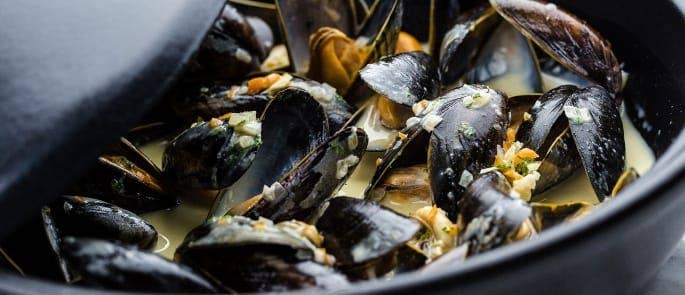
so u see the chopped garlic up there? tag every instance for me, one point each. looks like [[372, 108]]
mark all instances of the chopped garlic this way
[[242, 118], [527, 116], [343, 166], [477, 100], [577, 115], [430, 121], [250, 128], [524, 187], [412, 121], [246, 141], [466, 178], [269, 192], [282, 83]]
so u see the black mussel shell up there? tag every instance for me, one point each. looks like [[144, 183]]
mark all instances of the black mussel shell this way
[[405, 78], [119, 180], [405, 150], [248, 255], [492, 217], [597, 131], [507, 62], [253, 33], [221, 57], [90, 218], [302, 18], [559, 163], [546, 121], [337, 109], [364, 236], [444, 14], [571, 41], [107, 265], [293, 125], [461, 44], [465, 141], [215, 101], [518, 106], [208, 155], [263, 35], [314, 180]]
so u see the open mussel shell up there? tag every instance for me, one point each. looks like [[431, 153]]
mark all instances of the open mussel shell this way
[[507, 62], [293, 125], [364, 236], [302, 18], [597, 130], [405, 78], [215, 101], [125, 177], [559, 163], [404, 189], [546, 120], [253, 32], [546, 215], [86, 217], [407, 148], [461, 44], [378, 37], [569, 40], [221, 57], [519, 105], [314, 180], [491, 216], [248, 255], [474, 122], [212, 154], [103, 264]]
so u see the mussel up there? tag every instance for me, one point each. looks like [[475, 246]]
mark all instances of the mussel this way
[[573, 127], [364, 236], [231, 49], [104, 264], [247, 255], [473, 122], [564, 37], [125, 177], [491, 216], [293, 125], [299, 193], [78, 216], [213, 154]]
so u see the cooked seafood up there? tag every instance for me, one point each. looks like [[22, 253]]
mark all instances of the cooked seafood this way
[[461, 127]]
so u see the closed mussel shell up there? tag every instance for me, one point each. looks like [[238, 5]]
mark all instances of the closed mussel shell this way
[[314, 180], [364, 236], [104, 264], [474, 122], [491, 216]]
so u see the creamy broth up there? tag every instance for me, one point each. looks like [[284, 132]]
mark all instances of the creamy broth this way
[[173, 225]]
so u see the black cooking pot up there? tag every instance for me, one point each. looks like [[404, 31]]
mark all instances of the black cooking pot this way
[[619, 248]]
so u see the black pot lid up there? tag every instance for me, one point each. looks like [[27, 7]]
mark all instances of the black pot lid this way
[[74, 75]]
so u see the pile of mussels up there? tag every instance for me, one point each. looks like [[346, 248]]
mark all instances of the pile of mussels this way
[[465, 128]]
